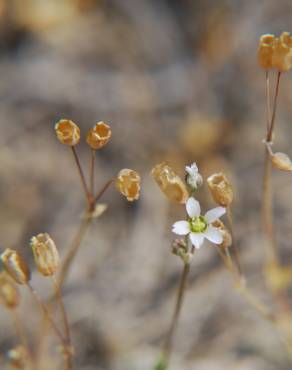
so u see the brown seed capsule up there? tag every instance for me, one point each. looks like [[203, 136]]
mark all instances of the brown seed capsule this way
[[18, 357], [67, 132], [15, 266], [220, 189], [170, 183], [282, 56], [99, 135], [227, 238], [266, 51], [281, 161], [9, 295], [128, 183], [45, 254]]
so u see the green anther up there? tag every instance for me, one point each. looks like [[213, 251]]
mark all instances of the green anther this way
[[198, 224]]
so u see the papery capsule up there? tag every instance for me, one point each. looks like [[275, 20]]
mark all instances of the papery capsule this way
[[18, 357], [99, 135], [9, 295], [128, 183], [170, 183], [15, 266], [282, 56], [220, 189], [281, 161], [45, 254], [67, 132], [266, 51]]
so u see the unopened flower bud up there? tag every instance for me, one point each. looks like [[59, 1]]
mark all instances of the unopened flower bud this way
[[281, 161], [18, 357], [170, 183], [15, 266], [45, 254], [266, 51], [99, 135], [220, 189], [227, 238], [193, 179], [67, 132], [128, 183], [9, 295]]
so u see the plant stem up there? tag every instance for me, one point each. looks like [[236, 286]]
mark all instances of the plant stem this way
[[179, 301], [91, 172], [103, 189], [272, 125], [234, 242], [82, 177], [22, 336], [65, 320], [268, 95], [69, 257]]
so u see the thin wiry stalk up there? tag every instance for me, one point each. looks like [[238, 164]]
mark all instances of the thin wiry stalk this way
[[179, 301], [69, 257], [82, 177], [234, 241], [47, 315], [22, 336], [103, 189], [91, 172]]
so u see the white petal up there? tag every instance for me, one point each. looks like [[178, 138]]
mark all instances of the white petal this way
[[192, 169], [214, 235], [193, 207], [197, 239], [214, 214], [181, 228]]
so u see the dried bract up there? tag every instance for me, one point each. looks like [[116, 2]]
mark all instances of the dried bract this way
[[99, 135], [45, 254], [266, 51], [281, 161], [220, 189], [9, 295], [15, 266], [18, 357], [128, 183], [67, 132], [170, 183]]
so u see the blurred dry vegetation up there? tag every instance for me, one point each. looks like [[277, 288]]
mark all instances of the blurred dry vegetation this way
[[177, 81]]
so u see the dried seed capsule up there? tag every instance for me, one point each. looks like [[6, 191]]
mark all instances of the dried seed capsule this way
[[170, 183], [99, 135], [67, 132], [282, 56], [220, 189], [15, 266], [281, 161], [266, 51], [18, 357], [227, 238], [128, 183], [9, 295], [45, 254]]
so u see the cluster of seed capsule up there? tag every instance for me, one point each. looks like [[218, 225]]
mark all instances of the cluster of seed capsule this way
[[127, 181]]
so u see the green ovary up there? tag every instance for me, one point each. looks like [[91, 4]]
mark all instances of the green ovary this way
[[198, 224]]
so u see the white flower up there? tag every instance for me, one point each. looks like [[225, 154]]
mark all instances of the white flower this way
[[199, 227], [193, 178]]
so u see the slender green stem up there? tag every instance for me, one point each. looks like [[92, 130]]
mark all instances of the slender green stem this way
[[179, 301]]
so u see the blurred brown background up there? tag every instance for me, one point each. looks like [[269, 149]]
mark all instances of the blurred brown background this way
[[177, 81]]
